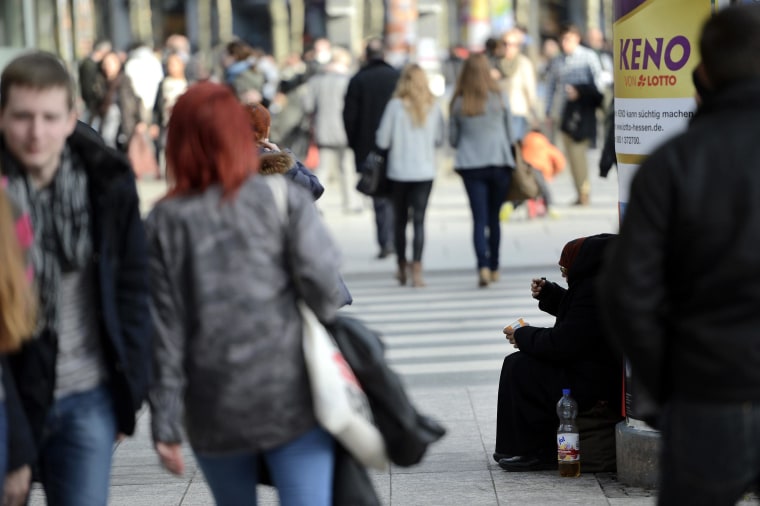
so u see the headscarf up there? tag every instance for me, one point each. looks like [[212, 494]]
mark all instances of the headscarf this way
[[570, 252]]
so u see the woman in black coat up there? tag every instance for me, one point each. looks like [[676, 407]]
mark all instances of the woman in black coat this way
[[572, 354]]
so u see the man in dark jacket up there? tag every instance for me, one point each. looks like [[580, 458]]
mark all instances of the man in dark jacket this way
[[369, 91], [682, 284], [85, 374]]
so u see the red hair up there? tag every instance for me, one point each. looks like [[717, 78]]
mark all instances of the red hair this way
[[209, 141], [260, 120]]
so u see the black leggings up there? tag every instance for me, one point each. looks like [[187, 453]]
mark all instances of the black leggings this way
[[410, 195]]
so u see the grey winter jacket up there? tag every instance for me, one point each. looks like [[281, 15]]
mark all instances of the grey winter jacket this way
[[483, 140], [324, 97], [228, 359], [412, 148]]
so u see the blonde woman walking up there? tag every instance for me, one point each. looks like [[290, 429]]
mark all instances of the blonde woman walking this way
[[411, 128], [480, 129]]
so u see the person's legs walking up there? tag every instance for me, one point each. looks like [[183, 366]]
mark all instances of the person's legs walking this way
[[477, 192], [302, 470], [543, 188], [76, 449], [328, 162], [232, 479], [418, 201], [384, 224], [497, 191], [400, 198], [577, 155], [351, 202]]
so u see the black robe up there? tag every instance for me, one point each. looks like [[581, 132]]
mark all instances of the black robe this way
[[573, 354]]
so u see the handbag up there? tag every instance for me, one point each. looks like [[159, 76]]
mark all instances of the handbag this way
[[340, 405], [373, 175], [523, 185], [407, 432]]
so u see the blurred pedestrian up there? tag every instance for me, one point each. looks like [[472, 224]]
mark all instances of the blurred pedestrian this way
[[518, 79], [84, 375], [272, 159], [547, 161], [233, 377], [241, 74], [576, 77], [323, 100], [88, 73], [368, 93], [411, 128], [118, 109], [682, 284], [145, 72], [480, 128], [169, 90]]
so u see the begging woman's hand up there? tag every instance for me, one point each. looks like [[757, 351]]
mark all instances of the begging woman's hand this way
[[536, 285]]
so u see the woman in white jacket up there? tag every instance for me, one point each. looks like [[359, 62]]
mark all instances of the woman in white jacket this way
[[411, 128]]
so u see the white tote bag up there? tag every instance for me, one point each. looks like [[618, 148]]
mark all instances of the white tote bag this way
[[340, 404]]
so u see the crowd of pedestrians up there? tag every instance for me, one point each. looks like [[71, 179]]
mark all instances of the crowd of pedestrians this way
[[122, 311]]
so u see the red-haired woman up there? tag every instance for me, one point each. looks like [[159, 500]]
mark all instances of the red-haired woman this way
[[228, 354], [272, 159]]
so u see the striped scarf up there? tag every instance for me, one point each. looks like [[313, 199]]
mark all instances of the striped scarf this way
[[60, 220]]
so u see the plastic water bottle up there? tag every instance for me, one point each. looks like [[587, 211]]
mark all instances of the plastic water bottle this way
[[568, 438]]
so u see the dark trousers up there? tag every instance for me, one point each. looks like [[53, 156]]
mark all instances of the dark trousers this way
[[526, 414], [486, 190], [384, 222], [543, 188], [406, 197], [710, 452]]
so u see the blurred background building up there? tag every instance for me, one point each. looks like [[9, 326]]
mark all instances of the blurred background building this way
[[280, 27]]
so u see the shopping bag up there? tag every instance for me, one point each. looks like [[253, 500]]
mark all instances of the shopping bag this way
[[523, 185], [340, 404]]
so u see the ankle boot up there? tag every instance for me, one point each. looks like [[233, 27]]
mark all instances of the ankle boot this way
[[417, 274], [401, 272], [484, 276]]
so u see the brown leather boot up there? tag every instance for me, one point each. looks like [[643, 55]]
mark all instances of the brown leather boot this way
[[401, 272], [417, 274], [484, 276]]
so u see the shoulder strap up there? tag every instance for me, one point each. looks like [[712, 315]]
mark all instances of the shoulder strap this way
[[279, 188]]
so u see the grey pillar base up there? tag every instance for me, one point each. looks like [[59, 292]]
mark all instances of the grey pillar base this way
[[638, 452]]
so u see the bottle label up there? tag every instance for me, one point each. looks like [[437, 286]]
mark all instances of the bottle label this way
[[568, 447]]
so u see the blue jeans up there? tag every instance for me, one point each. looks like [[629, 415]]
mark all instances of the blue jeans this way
[[301, 470], [486, 189], [77, 444], [710, 452]]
